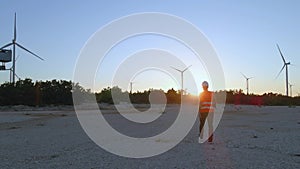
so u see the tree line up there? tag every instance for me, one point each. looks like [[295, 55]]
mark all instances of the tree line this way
[[238, 97], [106, 96], [39, 93], [59, 92]]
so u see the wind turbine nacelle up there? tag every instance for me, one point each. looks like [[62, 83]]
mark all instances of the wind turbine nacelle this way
[[5, 55]]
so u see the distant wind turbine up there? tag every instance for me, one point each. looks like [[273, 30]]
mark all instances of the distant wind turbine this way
[[181, 72], [11, 71], [14, 44], [291, 90], [10, 74], [247, 82], [285, 65], [131, 83]]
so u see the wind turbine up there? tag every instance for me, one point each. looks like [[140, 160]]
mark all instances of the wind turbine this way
[[291, 85], [14, 44], [285, 65], [10, 74], [247, 82], [181, 71], [11, 71], [131, 83]]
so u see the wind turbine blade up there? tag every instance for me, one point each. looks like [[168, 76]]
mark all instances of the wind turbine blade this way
[[15, 27], [29, 51], [6, 45], [280, 71], [175, 69], [244, 76], [186, 68], [250, 77], [281, 54]]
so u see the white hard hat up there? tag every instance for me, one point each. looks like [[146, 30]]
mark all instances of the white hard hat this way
[[205, 84]]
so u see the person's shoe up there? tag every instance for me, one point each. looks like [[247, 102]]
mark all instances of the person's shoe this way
[[210, 139]]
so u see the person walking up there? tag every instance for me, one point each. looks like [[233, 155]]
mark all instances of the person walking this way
[[206, 111]]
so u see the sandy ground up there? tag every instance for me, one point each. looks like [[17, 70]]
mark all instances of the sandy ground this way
[[251, 137]]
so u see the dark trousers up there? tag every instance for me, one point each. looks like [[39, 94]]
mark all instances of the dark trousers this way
[[203, 117]]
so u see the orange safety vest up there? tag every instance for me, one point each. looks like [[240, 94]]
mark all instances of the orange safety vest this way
[[206, 102]]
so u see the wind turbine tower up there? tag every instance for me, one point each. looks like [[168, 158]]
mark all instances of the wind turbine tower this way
[[14, 44]]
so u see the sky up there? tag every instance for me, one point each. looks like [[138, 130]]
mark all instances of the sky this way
[[243, 33]]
